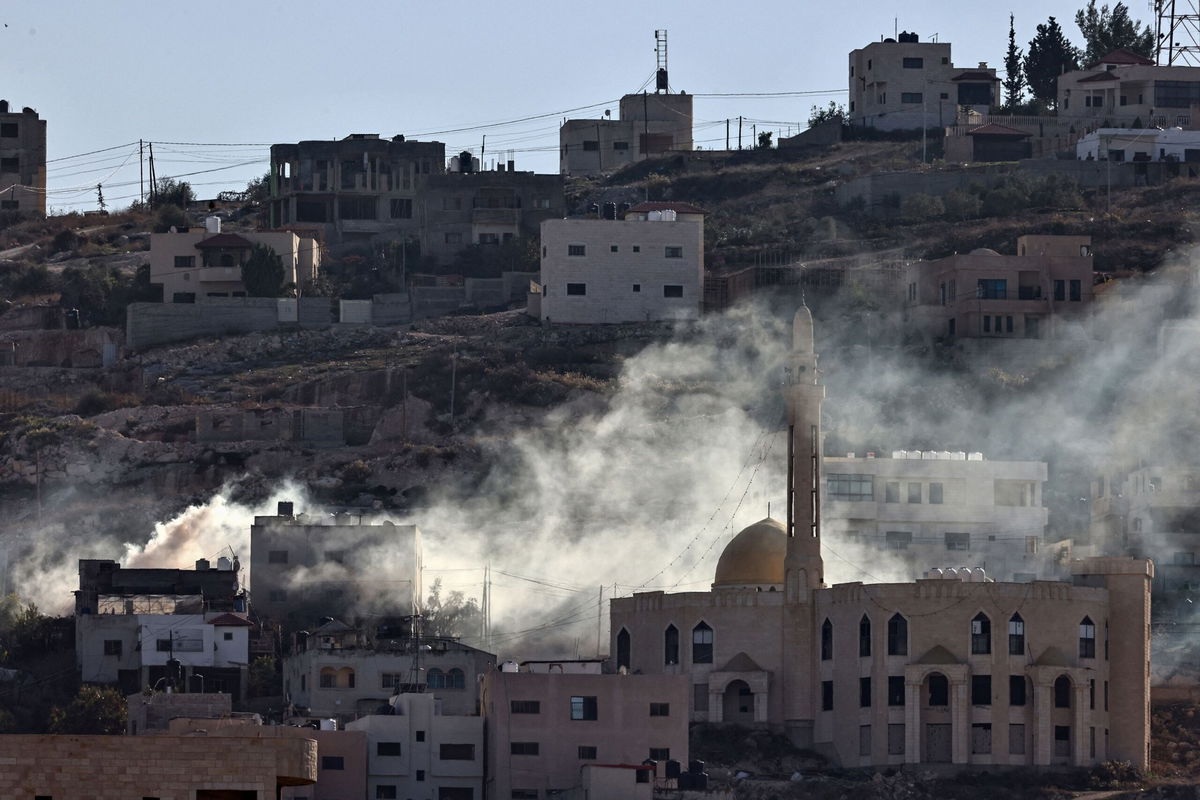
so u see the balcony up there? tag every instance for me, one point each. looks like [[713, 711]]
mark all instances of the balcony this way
[[495, 216]]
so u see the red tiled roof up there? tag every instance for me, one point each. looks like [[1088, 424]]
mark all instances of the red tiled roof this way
[[230, 621], [1123, 56], [656, 205], [992, 129], [1107, 75], [225, 240], [974, 75]]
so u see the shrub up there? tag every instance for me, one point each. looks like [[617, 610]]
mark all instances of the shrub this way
[[921, 208], [962, 205]]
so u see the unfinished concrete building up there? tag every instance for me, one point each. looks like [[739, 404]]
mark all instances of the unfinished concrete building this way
[[22, 160]]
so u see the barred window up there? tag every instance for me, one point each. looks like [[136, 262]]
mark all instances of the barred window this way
[[850, 487]]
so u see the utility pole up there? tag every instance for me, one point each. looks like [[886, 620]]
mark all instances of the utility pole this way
[[141, 176], [754, 136], [599, 620], [599, 150], [739, 131], [645, 123], [727, 133], [453, 378], [151, 147]]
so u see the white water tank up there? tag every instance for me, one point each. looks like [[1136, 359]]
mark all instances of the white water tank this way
[[654, 216], [329, 724], [212, 224], [668, 215], [510, 666]]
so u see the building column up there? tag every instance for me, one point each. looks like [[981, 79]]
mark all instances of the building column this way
[[716, 708], [1079, 724], [960, 722], [912, 723], [760, 706], [1043, 732]]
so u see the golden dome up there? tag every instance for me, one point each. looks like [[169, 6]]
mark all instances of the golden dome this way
[[755, 556]]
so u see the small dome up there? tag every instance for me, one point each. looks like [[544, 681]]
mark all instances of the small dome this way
[[984, 251], [755, 556]]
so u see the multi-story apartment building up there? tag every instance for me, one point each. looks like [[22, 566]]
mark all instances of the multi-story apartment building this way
[[1042, 292], [22, 160], [418, 751], [906, 84], [1139, 145], [193, 265], [1125, 89], [648, 266], [545, 720], [303, 567], [341, 672], [647, 125], [931, 509]]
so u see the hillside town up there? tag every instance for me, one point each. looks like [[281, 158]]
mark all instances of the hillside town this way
[[854, 460]]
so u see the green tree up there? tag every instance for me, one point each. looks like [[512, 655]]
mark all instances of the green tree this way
[[170, 192], [262, 274], [764, 141], [1104, 31], [1014, 73], [456, 615], [95, 710], [264, 679], [1049, 55], [819, 116], [921, 208]]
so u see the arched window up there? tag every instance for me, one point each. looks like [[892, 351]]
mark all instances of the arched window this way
[[623, 649], [897, 636], [864, 636], [939, 690], [1016, 636], [456, 679], [328, 678], [435, 679], [345, 678], [1062, 692], [1087, 638], [981, 635], [826, 640], [702, 644], [671, 645]]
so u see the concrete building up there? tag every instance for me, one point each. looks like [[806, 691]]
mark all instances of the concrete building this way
[[152, 711], [938, 509], [417, 751], [910, 84], [341, 672], [304, 567], [22, 160], [1139, 145], [647, 125], [1126, 90], [1042, 292], [549, 719], [648, 266], [954, 668], [242, 762], [193, 265]]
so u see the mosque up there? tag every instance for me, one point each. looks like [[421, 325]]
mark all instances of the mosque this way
[[954, 668]]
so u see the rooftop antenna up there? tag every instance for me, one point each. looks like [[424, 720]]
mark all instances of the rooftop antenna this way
[[1176, 21], [660, 53]]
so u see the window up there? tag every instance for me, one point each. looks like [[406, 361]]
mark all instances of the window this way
[[939, 690], [576, 250], [435, 679], [864, 740], [826, 640], [981, 635], [671, 290], [583, 708], [897, 540], [452, 238], [1008, 324], [1092, 694], [577, 289], [587, 752], [1087, 638], [391, 680], [637, 248], [897, 636], [911, 97], [827, 695], [387, 748], [702, 644], [660, 709], [623, 649], [1062, 740], [895, 690], [13, 205], [660, 753], [420, 736], [1076, 291], [1062, 692], [401, 208], [385, 792], [1016, 740], [913, 63], [864, 692], [357, 208], [992, 289], [112, 647], [525, 707], [591, 145], [981, 737], [1016, 636], [620, 146], [523, 748], [914, 493], [958, 541], [164, 645], [637, 287], [8, 130], [420, 772], [1060, 290], [671, 645], [457, 752], [228, 636], [674, 252], [277, 557], [185, 262], [614, 248], [864, 636], [987, 324], [935, 494], [981, 690], [850, 487], [896, 739], [700, 696], [333, 762]]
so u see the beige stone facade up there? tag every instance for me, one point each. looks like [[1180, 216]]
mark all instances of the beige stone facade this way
[[648, 124], [194, 265], [1044, 291], [22, 160], [1126, 90]]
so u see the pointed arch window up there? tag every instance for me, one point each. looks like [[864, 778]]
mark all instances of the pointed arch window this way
[[702, 644], [1062, 692], [1016, 636], [671, 645], [826, 640], [981, 635], [864, 636], [1087, 638], [897, 636], [623, 649]]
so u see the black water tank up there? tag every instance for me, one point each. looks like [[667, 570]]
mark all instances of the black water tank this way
[[687, 781], [700, 781], [284, 509], [696, 766], [673, 769], [3, 106], [660, 81], [610, 210]]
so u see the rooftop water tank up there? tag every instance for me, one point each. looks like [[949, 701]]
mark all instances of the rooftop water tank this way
[[212, 224]]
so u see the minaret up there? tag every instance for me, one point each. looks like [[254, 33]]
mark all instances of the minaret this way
[[804, 570]]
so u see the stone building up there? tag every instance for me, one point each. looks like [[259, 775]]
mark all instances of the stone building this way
[[648, 266], [954, 668], [22, 160], [647, 125], [546, 720], [1124, 89], [904, 83], [1042, 292]]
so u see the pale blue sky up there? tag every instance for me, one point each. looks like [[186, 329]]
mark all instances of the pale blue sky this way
[[104, 74]]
